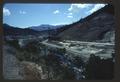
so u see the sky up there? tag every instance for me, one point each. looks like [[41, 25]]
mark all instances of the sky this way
[[27, 15]]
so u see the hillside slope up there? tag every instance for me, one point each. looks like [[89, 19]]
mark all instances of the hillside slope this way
[[97, 26], [10, 30]]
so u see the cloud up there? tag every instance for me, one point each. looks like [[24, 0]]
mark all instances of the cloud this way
[[96, 7], [70, 16], [65, 23], [56, 12], [22, 12], [70, 13], [78, 6], [6, 12], [90, 8]]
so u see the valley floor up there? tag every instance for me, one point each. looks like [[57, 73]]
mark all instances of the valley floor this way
[[54, 55]]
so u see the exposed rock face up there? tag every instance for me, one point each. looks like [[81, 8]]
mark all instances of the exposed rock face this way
[[13, 69], [11, 65], [110, 36], [97, 26], [31, 71]]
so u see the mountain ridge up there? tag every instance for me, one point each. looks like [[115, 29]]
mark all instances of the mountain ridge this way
[[10, 30], [92, 28], [43, 27]]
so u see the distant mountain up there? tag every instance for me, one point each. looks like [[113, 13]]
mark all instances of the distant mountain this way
[[44, 27], [98, 26], [10, 30], [37, 30]]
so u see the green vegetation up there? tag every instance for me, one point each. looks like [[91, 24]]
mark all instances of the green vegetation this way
[[62, 50], [78, 61], [59, 72], [97, 68], [13, 43], [32, 47]]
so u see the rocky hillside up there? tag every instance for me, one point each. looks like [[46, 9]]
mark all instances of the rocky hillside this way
[[98, 26]]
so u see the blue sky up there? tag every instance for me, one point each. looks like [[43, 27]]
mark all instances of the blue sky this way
[[25, 15]]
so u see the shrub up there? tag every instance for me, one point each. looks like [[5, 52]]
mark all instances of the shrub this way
[[13, 43], [97, 68], [32, 47], [61, 51], [78, 61]]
